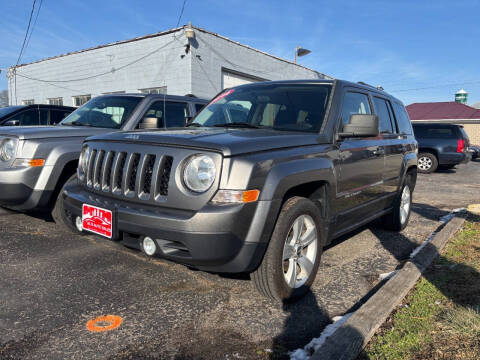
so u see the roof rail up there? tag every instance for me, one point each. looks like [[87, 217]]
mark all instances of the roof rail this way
[[379, 87]]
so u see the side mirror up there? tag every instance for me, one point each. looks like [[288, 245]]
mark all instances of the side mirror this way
[[11, 123], [361, 126]]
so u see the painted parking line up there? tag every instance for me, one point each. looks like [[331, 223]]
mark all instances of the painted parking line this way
[[104, 323]]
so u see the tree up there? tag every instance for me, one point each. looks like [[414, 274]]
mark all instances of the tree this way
[[3, 98]]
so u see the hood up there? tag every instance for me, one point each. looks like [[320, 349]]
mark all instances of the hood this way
[[43, 132], [227, 141]]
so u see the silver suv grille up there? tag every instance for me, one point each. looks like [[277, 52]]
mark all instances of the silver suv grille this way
[[131, 175]]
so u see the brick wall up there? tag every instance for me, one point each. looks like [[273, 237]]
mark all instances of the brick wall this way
[[473, 132]]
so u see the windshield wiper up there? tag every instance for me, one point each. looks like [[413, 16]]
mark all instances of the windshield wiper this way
[[237, 124], [76, 123], [194, 124]]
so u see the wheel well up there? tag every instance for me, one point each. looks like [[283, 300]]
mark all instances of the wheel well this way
[[428, 150], [316, 191], [67, 171]]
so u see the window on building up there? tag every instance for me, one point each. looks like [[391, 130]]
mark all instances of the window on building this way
[[28, 102], [354, 103], [114, 92], [55, 101], [154, 90], [79, 100]]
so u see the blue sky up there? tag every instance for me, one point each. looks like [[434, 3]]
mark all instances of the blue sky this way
[[431, 46]]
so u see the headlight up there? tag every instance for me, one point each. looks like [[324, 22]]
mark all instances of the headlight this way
[[7, 149], [83, 161], [199, 173]]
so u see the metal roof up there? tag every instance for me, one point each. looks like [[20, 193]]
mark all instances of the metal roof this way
[[449, 110], [170, 31]]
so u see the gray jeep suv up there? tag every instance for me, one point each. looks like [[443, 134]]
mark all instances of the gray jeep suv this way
[[265, 176], [37, 161]]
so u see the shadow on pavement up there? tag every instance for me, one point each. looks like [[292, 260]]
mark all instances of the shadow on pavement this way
[[311, 315]]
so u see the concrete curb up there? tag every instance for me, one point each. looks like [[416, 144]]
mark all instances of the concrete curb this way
[[349, 339]]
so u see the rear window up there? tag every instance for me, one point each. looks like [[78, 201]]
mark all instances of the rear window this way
[[403, 120], [292, 107], [434, 132]]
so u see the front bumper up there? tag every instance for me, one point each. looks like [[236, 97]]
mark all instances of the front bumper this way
[[18, 188], [229, 238]]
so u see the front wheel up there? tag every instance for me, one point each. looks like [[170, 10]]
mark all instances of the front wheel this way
[[293, 255], [58, 211]]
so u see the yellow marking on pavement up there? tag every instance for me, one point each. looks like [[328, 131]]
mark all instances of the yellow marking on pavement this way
[[474, 209]]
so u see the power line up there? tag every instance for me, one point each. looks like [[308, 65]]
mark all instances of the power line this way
[[181, 13], [105, 72], [26, 32], [439, 86], [34, 23]]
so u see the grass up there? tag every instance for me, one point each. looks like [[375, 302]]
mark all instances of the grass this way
[[440, 318]]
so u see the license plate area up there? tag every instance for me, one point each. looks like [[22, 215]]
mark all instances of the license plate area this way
[[97, 220]]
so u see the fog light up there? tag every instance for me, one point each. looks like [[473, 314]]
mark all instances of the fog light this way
[[79, 223], [149, 246]]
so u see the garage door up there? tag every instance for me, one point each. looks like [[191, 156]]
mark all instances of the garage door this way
[[230, 79]]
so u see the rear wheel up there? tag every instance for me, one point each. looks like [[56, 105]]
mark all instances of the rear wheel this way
[[293, 255], [427, 163], [397, 220]]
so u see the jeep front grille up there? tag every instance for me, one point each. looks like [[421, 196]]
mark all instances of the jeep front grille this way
[[131, 175]]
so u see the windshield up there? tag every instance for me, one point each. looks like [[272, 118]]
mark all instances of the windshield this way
[[292, 107], [103, 112], [8, 110]]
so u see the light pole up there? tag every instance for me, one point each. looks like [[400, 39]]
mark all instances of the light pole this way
[[300, 51]]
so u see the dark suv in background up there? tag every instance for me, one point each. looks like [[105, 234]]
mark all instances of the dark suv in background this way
[[31, 115], [262, 179], [441, 146]]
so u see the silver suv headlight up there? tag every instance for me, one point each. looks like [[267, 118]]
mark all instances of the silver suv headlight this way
[[8, 148], [199, 173], [83, 161]]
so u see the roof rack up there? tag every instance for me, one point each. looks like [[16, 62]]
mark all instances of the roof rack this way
[[379, 87]]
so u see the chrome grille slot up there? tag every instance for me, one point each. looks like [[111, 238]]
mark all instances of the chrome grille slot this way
[[118, 168], [107, 171], [90, 167], [98, 169], [164, 176]]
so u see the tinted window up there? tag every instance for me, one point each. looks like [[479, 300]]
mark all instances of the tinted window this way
[[383, 113], [168, 113], [354, 103], [281, 107], [434, 132], [199, 107], [27, 117], [57, 115], [8, 110], [403, 121], [103, 112]]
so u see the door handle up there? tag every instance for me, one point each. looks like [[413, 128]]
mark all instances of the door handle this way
[[379, 151]]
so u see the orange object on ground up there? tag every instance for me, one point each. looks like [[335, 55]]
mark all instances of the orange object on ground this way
[[112, 322]]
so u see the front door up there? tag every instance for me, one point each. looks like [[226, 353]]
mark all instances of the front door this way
[[360, 168]]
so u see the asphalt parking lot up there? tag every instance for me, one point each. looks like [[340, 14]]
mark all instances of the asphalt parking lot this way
[[52, 283]]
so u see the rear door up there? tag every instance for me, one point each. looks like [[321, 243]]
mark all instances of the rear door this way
[[361, 166], [393, 143]]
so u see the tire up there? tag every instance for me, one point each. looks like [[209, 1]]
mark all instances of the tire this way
[[271, 276], [427, 163], [397, 220], [58, 211]]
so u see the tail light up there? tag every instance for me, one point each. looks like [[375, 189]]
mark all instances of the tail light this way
[[460, 145]]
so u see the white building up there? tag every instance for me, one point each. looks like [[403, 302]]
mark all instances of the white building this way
[[202, 63]]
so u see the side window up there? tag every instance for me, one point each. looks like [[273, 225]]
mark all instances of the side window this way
[[27, 118], [383, 113], [403, 121], [43, 116], [56, 116], [199, 107], [354, 103], [165, 114]]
